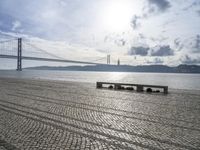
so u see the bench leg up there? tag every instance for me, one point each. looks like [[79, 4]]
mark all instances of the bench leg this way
[[99, 85], [116, 86], [140, 88], [165, 90]]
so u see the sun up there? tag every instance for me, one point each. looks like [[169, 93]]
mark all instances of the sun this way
[[117, 15]]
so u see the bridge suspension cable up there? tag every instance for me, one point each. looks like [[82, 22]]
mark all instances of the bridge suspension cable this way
[[99, 59], [7, 36], [14, 48], [41, 50], [8, 47], [5, 41]]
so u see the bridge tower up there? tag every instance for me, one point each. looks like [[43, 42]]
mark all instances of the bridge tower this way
[[118, 62], [19, 55], [108, 59]]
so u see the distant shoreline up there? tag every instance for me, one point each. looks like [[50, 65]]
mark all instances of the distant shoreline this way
[[195, 69], [109, 71]]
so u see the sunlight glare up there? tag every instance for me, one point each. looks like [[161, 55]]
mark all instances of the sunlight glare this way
[[117, 15], [116, 76]]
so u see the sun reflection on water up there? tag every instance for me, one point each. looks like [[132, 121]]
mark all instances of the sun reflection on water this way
[[116, 76]]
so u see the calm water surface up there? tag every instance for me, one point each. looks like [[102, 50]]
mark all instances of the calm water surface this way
[[175, 81]]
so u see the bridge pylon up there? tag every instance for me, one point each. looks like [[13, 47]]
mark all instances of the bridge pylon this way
[[19, 55], [108, 59]]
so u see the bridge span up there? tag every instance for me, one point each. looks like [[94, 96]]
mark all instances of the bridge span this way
[[18, 55]]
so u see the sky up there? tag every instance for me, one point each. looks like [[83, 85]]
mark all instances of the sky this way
[[138, 32]]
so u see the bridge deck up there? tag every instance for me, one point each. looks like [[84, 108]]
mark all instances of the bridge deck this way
[[48, 59]]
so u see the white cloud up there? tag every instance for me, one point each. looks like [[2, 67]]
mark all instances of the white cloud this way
[[16, 25], [75, 28]]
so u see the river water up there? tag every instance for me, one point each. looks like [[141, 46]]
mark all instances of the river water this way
[[174, 81]]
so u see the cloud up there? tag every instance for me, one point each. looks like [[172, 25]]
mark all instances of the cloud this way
[[141, 36], [193, 44], [178, 44], [191, 5], [135, 21], [164, 50], [189, 60], [61, 17], [153, 7], [159, 50], [198, 12], [156, 60], [77, 22], [117, 39], [159, 39], [16, 24], [38, 47], [197, 43], [140, 50], [160, 5], [188, 45], [6, 22], [120, 42]]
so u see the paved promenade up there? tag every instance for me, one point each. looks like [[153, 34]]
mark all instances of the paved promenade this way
[[38, 114]]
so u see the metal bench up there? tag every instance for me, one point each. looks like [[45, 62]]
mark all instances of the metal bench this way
[[139, 87]]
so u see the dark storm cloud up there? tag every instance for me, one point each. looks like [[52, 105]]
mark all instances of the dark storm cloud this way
[[164, 50], [162, 5], [140, 50], [159, 50]]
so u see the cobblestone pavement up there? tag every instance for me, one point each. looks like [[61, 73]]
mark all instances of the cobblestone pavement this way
[[36, 114]]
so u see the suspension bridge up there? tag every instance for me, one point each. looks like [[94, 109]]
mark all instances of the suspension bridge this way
[[22, 49]]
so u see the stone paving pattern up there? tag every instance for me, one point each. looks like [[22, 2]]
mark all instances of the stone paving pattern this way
[[39, 114]]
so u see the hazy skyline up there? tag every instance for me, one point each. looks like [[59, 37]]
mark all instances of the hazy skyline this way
[[136, 31]]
